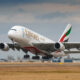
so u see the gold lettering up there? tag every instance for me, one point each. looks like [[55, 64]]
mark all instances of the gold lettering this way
[[28, 33]]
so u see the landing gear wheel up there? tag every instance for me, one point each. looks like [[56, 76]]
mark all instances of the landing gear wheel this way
[[47, 57], [36, 57], [26, 56]]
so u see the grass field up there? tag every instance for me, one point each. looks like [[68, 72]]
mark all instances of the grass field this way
[[58, 72]]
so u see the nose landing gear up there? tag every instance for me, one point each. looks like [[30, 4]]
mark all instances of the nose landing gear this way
[[26, 56]]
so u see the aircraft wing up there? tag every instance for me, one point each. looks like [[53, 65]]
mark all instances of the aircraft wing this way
[[50, 47], [45, 46], [70, 45], [6, 46]]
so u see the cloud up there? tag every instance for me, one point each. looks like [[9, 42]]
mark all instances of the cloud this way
[[40, 13], [52, 15]]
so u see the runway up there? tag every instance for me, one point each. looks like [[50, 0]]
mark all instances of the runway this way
[[39, 71], [37, 64]]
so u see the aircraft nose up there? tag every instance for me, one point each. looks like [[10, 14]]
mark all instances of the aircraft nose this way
[[10, 34]]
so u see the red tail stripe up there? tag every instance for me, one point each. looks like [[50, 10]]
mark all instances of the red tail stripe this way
[[61, 40]]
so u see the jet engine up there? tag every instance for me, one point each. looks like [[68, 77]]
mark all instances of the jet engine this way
[[59, 46], [4, 46]]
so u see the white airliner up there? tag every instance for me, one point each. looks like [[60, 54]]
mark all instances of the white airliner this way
[[27, 40]]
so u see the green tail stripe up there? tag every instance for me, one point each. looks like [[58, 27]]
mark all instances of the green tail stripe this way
[[68, 32]]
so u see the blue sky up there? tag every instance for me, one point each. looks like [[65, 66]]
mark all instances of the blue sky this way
[[47, 17], [39, 1]]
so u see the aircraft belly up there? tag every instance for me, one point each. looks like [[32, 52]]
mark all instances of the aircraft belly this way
[[58, 54], [34, 50]]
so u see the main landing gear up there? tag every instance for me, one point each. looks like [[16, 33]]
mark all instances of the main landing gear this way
[[36, 57], [47, 57], [26, 56]]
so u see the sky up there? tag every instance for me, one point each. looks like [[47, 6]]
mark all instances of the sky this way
[[47, 17]]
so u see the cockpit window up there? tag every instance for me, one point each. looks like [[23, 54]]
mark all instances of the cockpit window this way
[[14, 29]]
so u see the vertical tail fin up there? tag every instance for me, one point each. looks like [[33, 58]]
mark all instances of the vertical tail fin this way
[[65, 36]]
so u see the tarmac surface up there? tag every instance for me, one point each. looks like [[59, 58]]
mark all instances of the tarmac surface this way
[[37, 64], [39, 71]]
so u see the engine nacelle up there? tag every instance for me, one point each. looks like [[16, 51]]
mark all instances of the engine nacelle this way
[[59, 46], [4, 46]]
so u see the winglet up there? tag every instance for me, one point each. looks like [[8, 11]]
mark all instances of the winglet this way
[[66, 33]]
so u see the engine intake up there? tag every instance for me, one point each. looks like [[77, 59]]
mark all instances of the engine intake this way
[[4, 47], [59, 46], [1, 45]]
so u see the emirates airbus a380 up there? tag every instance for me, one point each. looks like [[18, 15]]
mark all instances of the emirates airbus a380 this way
[[28, 40]]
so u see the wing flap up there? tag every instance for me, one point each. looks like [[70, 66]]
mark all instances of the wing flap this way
[[71, 52], [16, 46]]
